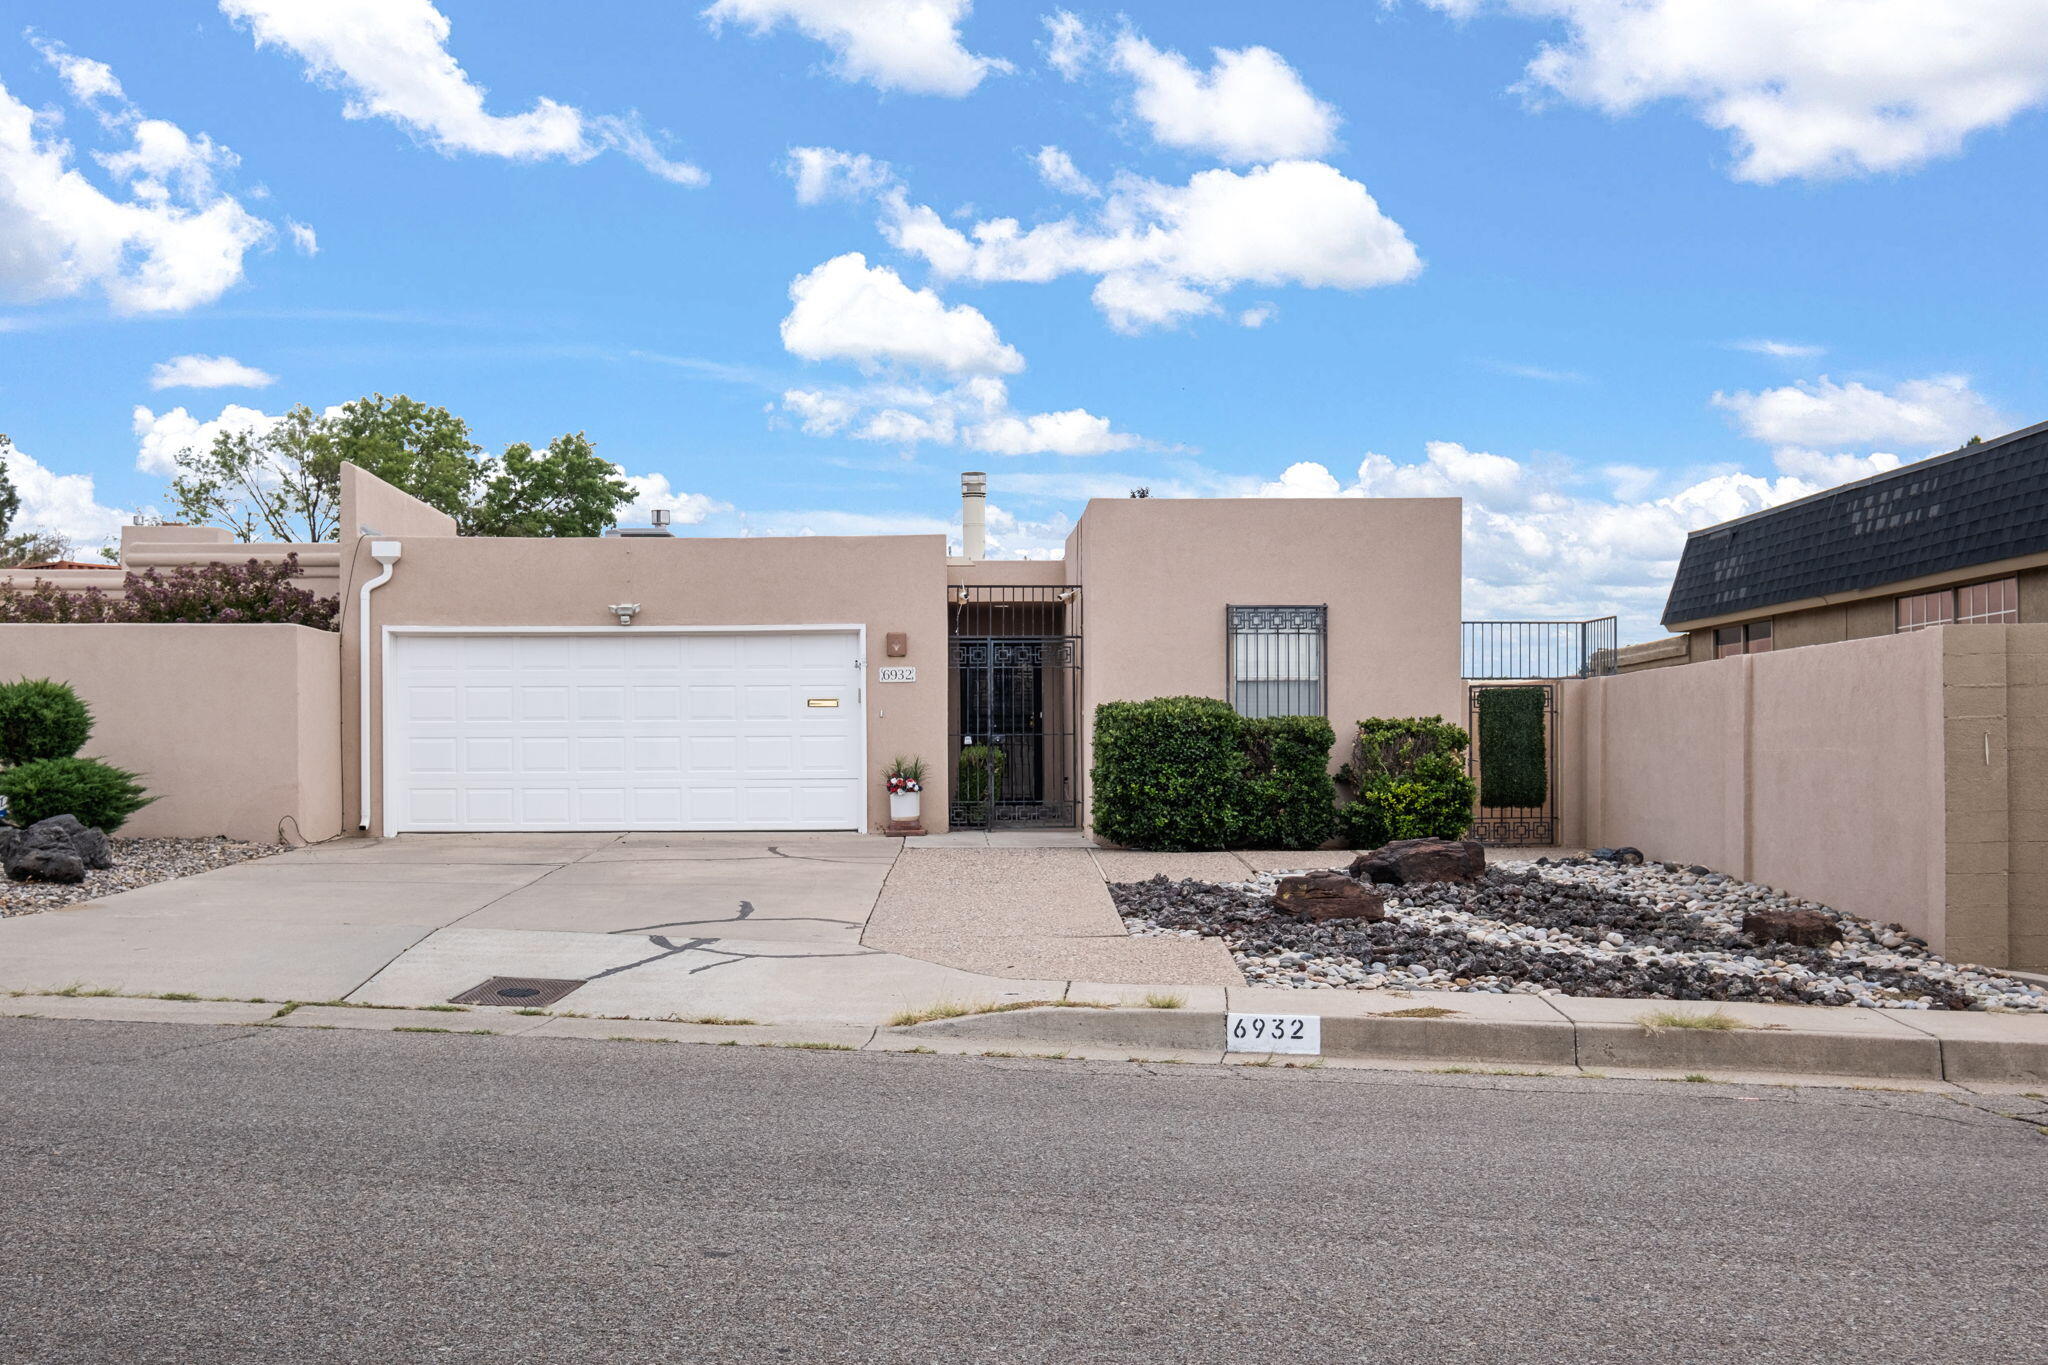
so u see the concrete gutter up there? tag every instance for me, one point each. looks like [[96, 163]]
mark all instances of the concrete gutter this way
[[1570, 1035]]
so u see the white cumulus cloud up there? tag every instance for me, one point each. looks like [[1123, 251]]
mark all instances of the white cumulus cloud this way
[[1249, 106], [161, 437], [908, 45], [61, 504], [1804, 88], [391, 59], [1166, 252], [849, 310], [1059, 172], [651, 491], [1933, 414], [207, 372], [168, 239], [1070, 45], [822, 173]]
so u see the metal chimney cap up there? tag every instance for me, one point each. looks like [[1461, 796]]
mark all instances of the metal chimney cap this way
[[974, 483], [659, 516]]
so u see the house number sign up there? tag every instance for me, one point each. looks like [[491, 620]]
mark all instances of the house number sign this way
[[896, 674], [1273, 1033]]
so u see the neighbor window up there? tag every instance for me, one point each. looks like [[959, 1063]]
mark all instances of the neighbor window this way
[[1993, 603], [1754, 638], [1276, 660]]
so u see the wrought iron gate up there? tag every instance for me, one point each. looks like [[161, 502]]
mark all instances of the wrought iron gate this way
[[1015, 704], [1511, 826]]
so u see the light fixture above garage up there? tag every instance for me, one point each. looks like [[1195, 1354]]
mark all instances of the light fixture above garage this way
[[626, 611]]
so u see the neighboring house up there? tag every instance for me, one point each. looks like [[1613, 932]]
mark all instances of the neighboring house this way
[[647, 681], [1961, 537]]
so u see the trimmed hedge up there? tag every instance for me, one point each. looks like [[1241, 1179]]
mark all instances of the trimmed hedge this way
[[1408, 781], [1168, 773], [1287, 798], [41, 719], [99, 794], [1514, 768]]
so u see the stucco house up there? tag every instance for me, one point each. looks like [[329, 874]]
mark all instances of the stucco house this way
[[647, 681]]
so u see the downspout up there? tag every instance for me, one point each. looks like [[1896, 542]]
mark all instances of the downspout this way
[[385, 552]]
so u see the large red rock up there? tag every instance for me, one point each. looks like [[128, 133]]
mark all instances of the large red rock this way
[[1806, 928], [1328, 895], [1408, 861]]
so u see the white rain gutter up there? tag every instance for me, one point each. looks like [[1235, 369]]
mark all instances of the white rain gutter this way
[[385, 552]]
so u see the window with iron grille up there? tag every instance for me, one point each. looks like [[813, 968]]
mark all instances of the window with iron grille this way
[[1996, 602], [1276, 660]]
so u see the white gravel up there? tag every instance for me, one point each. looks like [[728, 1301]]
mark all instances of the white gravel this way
[[1580, 927], [137, 862]]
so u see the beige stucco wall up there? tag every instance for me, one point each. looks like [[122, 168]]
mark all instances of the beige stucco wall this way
[[1899, 777], [1158, 573], [886, 583], [232, 727]]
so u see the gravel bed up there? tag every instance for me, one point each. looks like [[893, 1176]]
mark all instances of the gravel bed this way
[[137, 862], [1575, 926]]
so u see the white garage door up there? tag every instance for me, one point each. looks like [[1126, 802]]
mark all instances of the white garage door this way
[[631, 729]]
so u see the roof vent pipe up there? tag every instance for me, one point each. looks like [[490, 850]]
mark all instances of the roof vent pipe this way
[[973, 515]]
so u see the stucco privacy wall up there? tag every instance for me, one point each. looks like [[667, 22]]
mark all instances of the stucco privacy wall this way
[[232, 727], [887, 583], [1899, 777], [1158, 573]]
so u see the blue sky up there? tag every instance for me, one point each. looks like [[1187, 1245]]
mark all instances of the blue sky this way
[[1606, 270]]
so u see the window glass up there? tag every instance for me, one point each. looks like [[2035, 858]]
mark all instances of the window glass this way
[[1728, 642], [1276, 660], [1759, 636]]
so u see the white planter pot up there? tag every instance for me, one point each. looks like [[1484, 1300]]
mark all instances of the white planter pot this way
[[903, 805]]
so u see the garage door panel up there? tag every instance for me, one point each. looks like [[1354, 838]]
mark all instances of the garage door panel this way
[[625, 731]]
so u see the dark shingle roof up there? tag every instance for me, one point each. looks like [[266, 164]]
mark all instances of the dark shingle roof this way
[[1971, 506]]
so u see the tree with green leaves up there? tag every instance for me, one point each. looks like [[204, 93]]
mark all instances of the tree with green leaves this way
[[285, 483], [569, 490]]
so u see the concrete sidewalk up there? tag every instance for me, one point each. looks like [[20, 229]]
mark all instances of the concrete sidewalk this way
[[829, 938]]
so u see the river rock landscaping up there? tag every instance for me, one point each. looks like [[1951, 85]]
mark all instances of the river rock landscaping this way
[[1573, 926], [136, 862]]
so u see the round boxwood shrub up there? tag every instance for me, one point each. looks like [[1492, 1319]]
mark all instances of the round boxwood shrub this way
[[99, 794], [1287, 799], [41, 719], [1408, 780], [1167, 773]]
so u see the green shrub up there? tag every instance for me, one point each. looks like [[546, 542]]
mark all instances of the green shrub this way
[[41, 719], [1513, 766], [1286, 798], [1168, 772], [1408, 780], [99, 794], [980, 779]]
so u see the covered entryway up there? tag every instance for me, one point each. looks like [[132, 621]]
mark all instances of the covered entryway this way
[[624, 729]]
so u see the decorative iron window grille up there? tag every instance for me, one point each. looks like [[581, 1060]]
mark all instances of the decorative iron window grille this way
[[1276, 660]]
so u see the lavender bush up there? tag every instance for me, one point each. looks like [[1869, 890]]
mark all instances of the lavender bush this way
[[254, 593]]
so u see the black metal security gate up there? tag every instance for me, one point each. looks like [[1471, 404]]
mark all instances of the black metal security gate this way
[[1015, 707], [1515, 826]]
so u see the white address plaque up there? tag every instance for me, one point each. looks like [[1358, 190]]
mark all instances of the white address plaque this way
[[896, 674], [1273, 1033]]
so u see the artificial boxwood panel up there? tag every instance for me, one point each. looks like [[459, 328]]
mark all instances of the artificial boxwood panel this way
[[1287, 799], [1514, 765]]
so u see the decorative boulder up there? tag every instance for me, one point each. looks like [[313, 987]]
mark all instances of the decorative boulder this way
[[1407, 861], [44, 853], [1805, 928], [92, 846], [1328, 895]]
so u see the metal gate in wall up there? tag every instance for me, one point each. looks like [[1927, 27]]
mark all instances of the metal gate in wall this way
[[1014, 707], [1527, 826]]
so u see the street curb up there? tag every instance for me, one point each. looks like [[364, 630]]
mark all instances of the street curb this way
[[1535, 1043]]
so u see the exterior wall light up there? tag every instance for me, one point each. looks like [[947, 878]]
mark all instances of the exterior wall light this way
[[626, 611]]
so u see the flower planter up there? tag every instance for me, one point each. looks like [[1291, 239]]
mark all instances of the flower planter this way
[[904, 805]]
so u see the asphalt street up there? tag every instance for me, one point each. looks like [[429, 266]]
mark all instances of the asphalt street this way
[[211, 1194]]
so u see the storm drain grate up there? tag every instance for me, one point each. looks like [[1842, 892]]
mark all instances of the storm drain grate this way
[[529, 991]]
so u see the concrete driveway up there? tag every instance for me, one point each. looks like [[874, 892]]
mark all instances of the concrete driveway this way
[[326, 922], [797, 928]]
